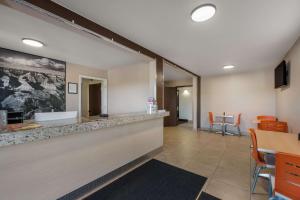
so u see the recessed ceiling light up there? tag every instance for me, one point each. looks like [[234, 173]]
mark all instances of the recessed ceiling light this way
[[228, 67], [32, 42], [203, 12]]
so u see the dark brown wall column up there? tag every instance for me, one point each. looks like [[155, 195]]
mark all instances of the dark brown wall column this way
[[198, 102], [160, 82]]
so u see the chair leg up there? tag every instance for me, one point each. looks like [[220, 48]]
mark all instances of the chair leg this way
[[223, 129], [255, 179], [270, 188], [254, 170], [239, 130]]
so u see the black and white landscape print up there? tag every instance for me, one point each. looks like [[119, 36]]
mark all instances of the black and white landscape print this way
[[31, 83]]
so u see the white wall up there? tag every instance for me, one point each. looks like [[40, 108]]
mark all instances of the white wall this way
[[185, 103], [250, 93], [152, 79], [85, 98], [73, 72], [129, 87], [288, 99]]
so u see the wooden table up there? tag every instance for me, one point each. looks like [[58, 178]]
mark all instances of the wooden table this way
[[272, 142]]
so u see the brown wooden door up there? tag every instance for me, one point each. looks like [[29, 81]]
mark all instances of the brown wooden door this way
[[94, 99], [170, 103]]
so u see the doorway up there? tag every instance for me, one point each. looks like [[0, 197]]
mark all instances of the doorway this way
[[179, 102], [171, 102], [93, 96], [94, 99], [185, 105], [179, 97]]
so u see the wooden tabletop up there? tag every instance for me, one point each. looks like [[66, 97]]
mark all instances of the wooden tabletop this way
[[272, 142]]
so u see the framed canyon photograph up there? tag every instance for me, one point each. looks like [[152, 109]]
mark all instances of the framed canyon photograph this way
[[30, 83]]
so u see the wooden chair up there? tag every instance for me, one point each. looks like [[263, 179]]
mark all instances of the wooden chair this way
[[274, 126], [286, 183], [260, 163]]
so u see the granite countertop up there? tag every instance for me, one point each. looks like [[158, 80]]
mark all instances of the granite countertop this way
[[57, 128]]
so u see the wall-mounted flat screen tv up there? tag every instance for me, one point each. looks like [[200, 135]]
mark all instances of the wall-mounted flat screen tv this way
[[281, 73]]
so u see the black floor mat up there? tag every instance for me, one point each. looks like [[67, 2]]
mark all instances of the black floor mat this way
[[154, 180], [205, 196]]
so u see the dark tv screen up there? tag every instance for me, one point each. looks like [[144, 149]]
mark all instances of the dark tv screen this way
[[281, 75]]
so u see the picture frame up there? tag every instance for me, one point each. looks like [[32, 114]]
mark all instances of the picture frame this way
[[37, 72], [72, 88]]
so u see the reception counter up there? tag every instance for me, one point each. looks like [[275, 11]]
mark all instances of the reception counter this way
[[59, 160], [50, 129]]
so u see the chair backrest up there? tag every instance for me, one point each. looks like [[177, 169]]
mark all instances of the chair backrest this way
[[211, 117], [273, 126], [282, 127], [255, 154], [266, 118], [287, 175], [238, 121]]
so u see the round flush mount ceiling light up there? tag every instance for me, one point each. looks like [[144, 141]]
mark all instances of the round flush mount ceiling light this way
[[228, 67], [32, 42], [186, 93], [203, 12]]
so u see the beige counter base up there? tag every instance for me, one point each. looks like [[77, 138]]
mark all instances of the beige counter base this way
[[49, 169]]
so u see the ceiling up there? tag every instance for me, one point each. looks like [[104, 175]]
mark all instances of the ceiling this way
[[173, 74], [249, 34], [62, 42]]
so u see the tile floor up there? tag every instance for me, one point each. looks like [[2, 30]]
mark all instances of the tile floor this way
[[224, 160]]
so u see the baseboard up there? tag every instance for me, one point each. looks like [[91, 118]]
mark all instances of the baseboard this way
[[80, 192]]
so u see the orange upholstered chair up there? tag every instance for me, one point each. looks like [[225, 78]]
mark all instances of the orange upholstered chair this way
[[212, 121], [254, 152], [263, 118], [287, 176], [259, 160], [273, 126], [282, 127], [266, 118], [237, 123]]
